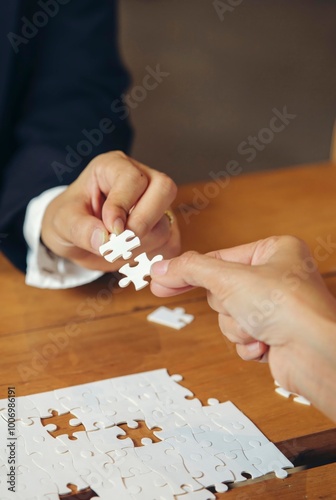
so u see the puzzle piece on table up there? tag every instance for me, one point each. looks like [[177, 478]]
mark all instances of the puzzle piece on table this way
[[169, 466], [85, 456], [149, 486], [286, 394], [108, 406], [267, 458], [128, 462], [239, 427], [119, 246], [33, 482], [84, 405], [34, 406], [173, 318], [107, 440], [136, 274], [208, 469]]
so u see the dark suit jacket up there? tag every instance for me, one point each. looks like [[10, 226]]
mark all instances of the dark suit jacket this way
[[59, 73]]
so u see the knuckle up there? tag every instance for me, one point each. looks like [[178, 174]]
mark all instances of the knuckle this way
[[117, 154], [141, 225], [114, 155], [100, 162], [294, 242], [75, 233], [189, 258], [167, 186]]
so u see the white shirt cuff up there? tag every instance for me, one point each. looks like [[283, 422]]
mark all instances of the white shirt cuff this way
[[45, 269]]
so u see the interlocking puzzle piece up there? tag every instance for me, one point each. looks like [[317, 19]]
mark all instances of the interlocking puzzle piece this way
[[108, 406], [169, 466], [85, 456], [208, 469], [119, 246], [286, 394], [33, 482], [268, 458], [173, 318], [35, 406], [136, 274], [128, 462], [111, 487], [242, 430], [106, 440], [49, 455], [149, 486]]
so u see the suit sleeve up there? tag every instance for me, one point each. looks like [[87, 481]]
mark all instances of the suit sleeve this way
[[65, 117]]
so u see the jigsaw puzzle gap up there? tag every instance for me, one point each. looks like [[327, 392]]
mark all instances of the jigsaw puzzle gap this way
[[141, 432], [86, 494], [62, 423]]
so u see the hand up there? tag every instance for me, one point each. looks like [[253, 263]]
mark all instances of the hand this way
[[113, 193], [273, 304]]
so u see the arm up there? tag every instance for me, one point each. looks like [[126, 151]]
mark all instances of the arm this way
[[74, 77], [273, 304]]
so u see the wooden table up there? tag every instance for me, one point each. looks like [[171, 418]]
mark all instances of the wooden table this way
[[53, 339]]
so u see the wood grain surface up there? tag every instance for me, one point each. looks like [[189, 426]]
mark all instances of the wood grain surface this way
[[52, 339]]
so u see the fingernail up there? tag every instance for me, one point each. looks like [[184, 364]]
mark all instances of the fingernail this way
[[253, 346], [160, 268], [98, 238], [118, 226]]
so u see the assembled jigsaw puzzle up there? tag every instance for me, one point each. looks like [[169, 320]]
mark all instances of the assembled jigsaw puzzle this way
[[199, 446]]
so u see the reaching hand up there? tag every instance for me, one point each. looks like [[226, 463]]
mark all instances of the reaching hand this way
[[112, 193], [273, 304]]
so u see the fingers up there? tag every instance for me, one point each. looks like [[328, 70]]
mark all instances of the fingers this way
[[254, 351], [73, 227], [233, 331], [136, 195], [123, 184], [192, 269], [247, 347], [158, 197]]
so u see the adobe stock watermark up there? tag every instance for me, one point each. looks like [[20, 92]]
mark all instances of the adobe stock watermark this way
[[279, 121], [121, 107], [249, 147], [291, 280], [201, 197], [57, 342], [223, 6], [31, 27]]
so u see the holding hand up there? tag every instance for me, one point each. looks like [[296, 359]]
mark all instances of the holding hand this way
[[273, 304], [112, 193]]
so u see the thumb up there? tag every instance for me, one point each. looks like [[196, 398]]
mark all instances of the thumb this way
[[171, 277], [82, 230]]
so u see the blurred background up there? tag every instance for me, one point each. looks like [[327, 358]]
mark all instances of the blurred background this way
[[230, 65]]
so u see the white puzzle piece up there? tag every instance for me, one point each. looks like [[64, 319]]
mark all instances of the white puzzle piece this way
[[136, 274], [199, 447], [119, 246], [286, 394], [173, 318]]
